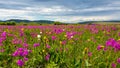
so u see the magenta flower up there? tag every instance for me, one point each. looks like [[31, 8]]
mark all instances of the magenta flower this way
[[2, 50], [48, 46], [15, 53], [16, 41], [21, 33], [36, 44], [25, 53], [1, 40], [63, 42], [53, 37], [99, 47], [3, 34], [89, 54], [58, 31], [114, 44], [20, 63], [110, 42], [70, 34], [1, 44], [118, 60], [21, 52], [105, 49], [113, 65], [25, 59], [47, 57], [25, 45]]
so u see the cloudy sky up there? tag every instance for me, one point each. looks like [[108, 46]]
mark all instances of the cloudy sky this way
[[60, 10]]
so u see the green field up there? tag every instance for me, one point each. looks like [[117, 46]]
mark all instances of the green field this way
[[60, 46]]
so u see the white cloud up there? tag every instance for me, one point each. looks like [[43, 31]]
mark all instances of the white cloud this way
[[98, 9], [114, 3], [74, 19], [61, 10], [12, 3], [31, 13], [16, 14], [49, 10]]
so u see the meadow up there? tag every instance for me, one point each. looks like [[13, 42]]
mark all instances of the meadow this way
[[60, 46]]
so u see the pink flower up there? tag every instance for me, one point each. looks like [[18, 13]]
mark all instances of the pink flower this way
[[100, 47], [118, 60], [105, 49], [25, 53], [20, 63], [53, 37], [89, 54], [113, 65], [47, 57], [1, 44], [25, 59], [1, 40], [63, 42], [15, 53], [110, 42], [25, 45], [21, 52], [21, 33], [36, 44], [3, 34], [2, 50], [47, 46]]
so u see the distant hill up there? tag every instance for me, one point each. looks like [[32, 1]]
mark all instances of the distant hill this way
[[50, 22], [90, 22], [28, 21]]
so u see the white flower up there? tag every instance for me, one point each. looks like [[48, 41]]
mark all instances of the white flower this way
[[38, 36], [40, 32], [71, 36]]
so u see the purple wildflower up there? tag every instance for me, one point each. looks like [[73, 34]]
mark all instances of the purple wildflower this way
[[3, 34], [21, 52], [25, 53], [113, 65], [1, 44], [110, 42], [36, 44], [63, 42], [118, 60], [53, 37], [25, 59], [89, 54], [2, 50], [47, 57], [15, 53], [25, 45], [47, 46], [20, 63], [99, 47]]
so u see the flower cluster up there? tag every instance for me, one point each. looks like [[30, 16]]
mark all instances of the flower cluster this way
[[21, 52], [113, 43], [3, 37]]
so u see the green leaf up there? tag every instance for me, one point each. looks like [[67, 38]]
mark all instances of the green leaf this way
[[87, 63], [52, 65], [102, 65]]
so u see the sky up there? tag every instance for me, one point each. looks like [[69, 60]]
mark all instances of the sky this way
[[60, 10]]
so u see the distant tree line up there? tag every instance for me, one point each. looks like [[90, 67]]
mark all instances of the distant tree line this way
[[59, 23], [7, 23], [30, 23]]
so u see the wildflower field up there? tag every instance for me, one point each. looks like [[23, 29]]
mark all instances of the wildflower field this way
[[60, 46]]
